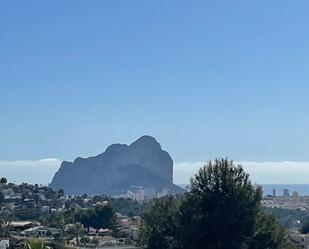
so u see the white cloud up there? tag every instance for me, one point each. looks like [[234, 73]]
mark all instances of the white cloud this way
[[260, 172], [39, 171], [183, 171]]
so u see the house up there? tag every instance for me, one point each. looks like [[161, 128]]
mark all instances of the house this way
[[299, 239], [120, 216], [28, 203], [136, 221], [4, 244], [45, 209], [107, 241], [7, 192], [41, 196], [22, 225], [134, 233], [123, 241], [105, 232], [41, 231], [16, 199], [9, 205], [92, 231]]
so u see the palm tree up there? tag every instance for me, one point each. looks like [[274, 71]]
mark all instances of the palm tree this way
[[4, 226], [36, 244]]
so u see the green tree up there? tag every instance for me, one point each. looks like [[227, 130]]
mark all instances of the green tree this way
[[269, 234], [84, 240], [305, 228], [1, 197], [221, 207], [94, 241], [56, 220], [3, 180], [87, 217], [79, 230], [60, 192], [36, 244], [116, 227], [221, 210], [4, 226], [103, 217], [99, 217], [160, 225], [76, 231]]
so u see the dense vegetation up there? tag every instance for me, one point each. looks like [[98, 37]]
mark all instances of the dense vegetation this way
[[305, 228], [222, 209], [291, 219], [77, 210], [1, 197]]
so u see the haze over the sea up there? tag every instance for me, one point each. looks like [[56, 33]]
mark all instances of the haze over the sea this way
[[42, 171]]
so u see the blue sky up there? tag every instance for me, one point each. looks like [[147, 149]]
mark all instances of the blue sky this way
[[206, 78]]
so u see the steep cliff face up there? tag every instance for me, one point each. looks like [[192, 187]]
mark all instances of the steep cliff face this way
[[143, 163]]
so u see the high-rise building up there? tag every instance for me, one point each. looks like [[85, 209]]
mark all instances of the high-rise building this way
[[286, 193], [139, 195], [166, 191], [150, 193], [274, 192]]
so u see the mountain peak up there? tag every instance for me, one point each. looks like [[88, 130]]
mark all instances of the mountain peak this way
[[143, 163], [116, 148], [146, 141]]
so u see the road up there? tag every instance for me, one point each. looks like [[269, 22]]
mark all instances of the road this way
[[112, 247]]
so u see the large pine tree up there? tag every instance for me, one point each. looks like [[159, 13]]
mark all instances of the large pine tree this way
[[222, 210]]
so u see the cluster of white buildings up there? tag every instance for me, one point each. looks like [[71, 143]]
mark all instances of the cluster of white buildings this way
[[285, 193], [141, 194], [287, 202], [301, 240]]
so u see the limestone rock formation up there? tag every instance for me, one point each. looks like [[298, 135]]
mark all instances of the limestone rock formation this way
[[142, 163]]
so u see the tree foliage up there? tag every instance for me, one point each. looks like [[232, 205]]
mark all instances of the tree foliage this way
[[305, 228], [3, 180], [99, 217], [84, 240], [268, 234], [223, 206], [289, 218], [222, 209], [160, 225], [4, 226], [36, 244], [1, 197]]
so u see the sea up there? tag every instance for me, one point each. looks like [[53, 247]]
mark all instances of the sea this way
[[301, 189]]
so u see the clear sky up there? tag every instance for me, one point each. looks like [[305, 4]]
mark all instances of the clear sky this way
[[206, 78]]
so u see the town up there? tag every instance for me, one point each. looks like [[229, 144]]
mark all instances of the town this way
[[31, 212], [293, 201], [37, 212]]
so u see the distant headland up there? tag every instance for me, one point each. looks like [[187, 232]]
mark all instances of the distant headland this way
[[121, 168]]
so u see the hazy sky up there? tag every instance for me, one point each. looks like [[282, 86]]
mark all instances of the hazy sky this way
[[206, 78], [42, 171]]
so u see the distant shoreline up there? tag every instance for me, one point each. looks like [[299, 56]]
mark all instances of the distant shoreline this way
[[302, 189]]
